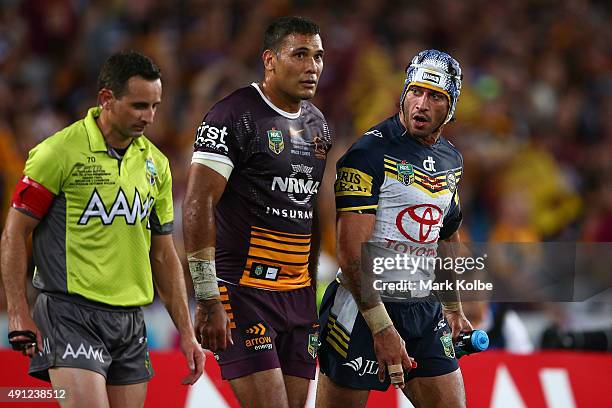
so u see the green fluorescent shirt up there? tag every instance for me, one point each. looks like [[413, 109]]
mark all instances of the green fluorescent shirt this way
[[96, 237]]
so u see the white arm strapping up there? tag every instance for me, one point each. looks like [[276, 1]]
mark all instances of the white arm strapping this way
[[204, 274], [220, 164]]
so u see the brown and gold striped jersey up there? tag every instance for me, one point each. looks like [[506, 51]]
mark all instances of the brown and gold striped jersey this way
[[264, 217]]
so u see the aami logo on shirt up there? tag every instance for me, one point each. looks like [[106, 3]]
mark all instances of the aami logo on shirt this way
[[138, 211]]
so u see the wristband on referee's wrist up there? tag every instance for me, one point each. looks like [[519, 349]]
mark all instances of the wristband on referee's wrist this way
[[204, 276], [377, 318]]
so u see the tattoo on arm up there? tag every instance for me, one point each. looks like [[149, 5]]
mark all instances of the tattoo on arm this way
[[359, 283]]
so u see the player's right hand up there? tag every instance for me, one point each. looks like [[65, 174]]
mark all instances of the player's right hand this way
[[212, 325], [390, 350], [25, 345]]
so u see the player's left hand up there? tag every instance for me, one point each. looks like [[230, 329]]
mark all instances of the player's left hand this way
[[195, 359], [457, 322]]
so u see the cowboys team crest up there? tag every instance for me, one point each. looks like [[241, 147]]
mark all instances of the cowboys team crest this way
[[405, 173], [275, 140]]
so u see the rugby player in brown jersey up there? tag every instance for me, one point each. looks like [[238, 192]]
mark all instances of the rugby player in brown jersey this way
[[258, 161]]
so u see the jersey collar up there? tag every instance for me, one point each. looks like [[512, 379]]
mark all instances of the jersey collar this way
[[96, 140], [289, 115]]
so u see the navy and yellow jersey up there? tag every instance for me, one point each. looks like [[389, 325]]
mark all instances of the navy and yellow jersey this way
[[264, 217], [412, 188]]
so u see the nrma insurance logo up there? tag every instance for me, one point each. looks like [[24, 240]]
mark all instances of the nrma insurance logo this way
[[138, 210], [299, 186]]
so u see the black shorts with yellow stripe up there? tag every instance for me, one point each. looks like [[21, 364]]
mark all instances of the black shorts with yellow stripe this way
[[346, 353]]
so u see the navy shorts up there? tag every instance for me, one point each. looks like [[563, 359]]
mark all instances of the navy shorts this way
[[346, 354], [270, 329]]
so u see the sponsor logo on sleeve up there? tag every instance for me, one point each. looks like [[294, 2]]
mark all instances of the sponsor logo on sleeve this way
[[212, 137], [352, 182]]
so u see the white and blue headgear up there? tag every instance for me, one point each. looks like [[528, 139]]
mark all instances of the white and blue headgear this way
[[435, 70]]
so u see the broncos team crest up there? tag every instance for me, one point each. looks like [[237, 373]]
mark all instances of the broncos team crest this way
[[405, 173], [275, 140]]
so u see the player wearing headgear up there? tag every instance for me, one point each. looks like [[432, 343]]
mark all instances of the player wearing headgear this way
[[397, 187]]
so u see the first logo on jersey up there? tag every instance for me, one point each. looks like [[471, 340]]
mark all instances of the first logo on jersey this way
[[275, 140]]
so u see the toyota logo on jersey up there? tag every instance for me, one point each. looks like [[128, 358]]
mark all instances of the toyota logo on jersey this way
[[416, 222]]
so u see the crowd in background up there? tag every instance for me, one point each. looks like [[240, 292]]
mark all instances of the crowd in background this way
[[534, 120]]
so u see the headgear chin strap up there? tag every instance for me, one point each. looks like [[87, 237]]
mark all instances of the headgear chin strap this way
[[435, 70]]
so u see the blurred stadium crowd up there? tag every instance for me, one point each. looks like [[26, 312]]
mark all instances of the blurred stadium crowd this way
[[534, 121]]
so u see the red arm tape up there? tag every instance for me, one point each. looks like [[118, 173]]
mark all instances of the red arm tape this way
[[32, 197]]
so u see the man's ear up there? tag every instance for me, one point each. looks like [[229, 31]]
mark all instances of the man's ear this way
[[105, 98], [269, 60]]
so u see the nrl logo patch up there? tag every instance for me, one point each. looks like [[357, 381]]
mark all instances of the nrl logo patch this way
[[151, 171], [405, 173], [275, 140], [447, 343], [258, 270], [313, 344], [147, 363]]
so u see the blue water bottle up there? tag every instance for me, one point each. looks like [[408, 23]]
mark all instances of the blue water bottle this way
[[471, 342]]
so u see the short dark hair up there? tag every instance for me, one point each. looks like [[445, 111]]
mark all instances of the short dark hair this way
[[282, 27], [121, 66]]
